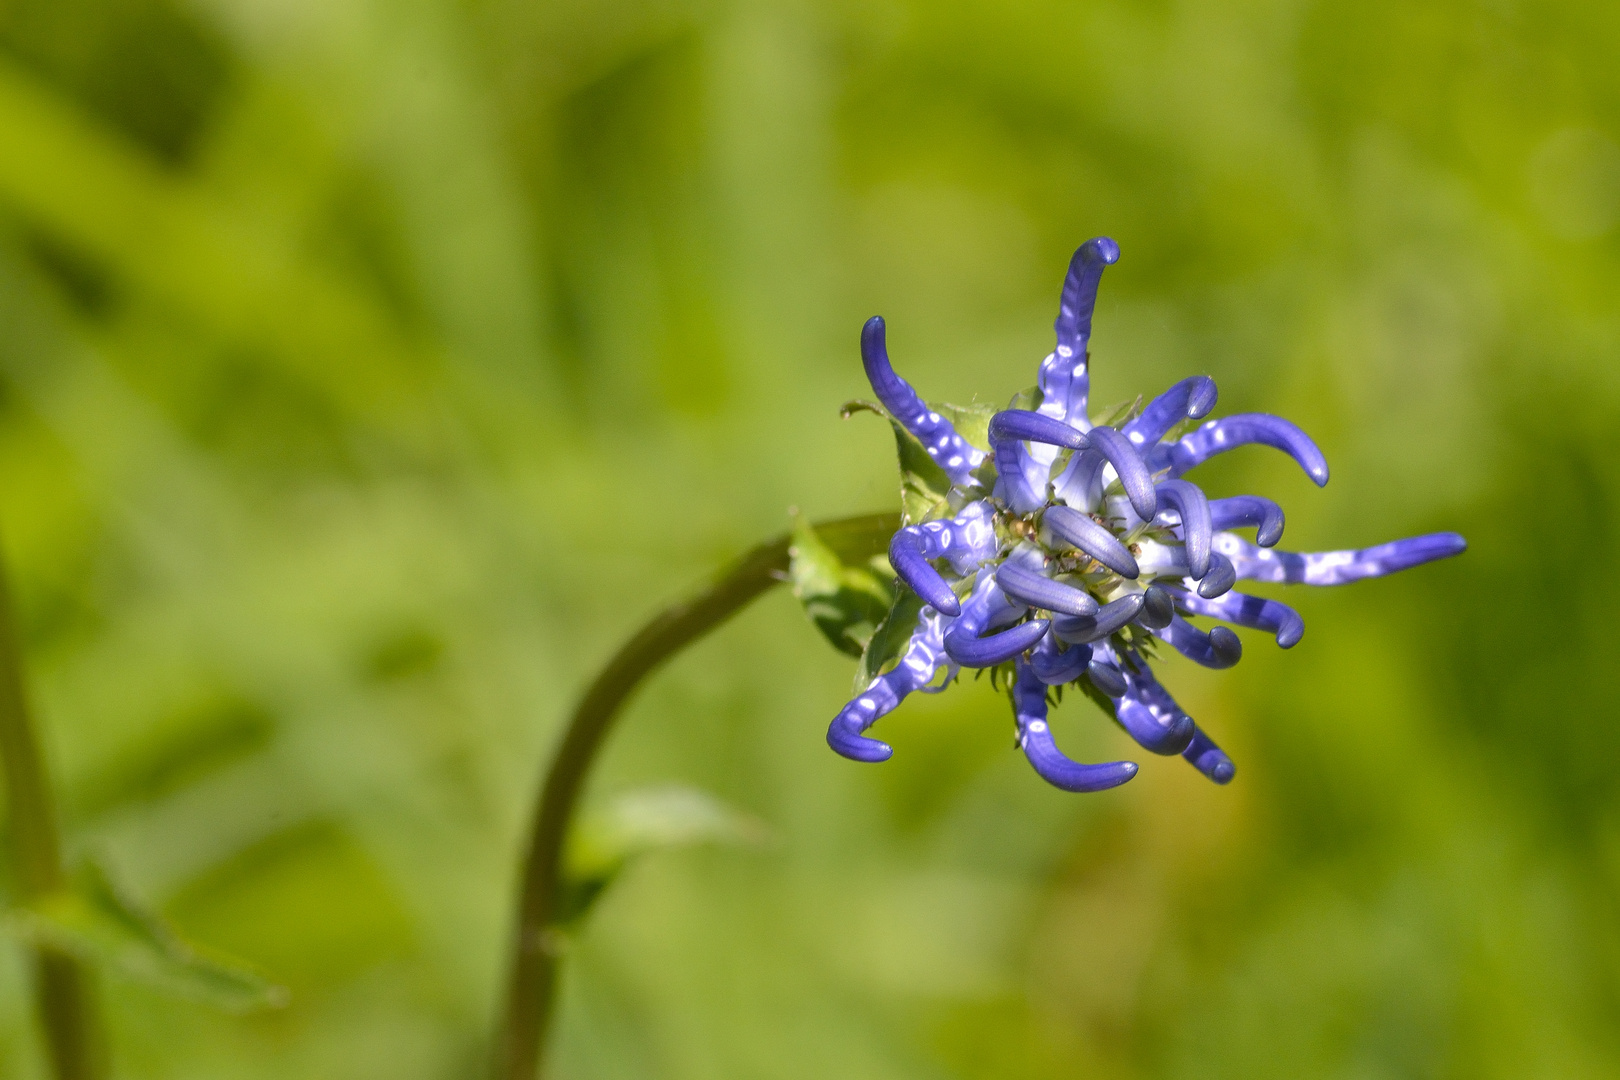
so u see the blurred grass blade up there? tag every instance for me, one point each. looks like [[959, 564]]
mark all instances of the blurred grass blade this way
[[100, 922], [639, 822], [219, 267], [846, 603]]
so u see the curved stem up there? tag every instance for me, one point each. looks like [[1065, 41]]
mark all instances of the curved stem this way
[[62, 991], [532, 977]]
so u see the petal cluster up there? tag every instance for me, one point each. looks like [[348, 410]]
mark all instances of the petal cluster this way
[[1074, 550]]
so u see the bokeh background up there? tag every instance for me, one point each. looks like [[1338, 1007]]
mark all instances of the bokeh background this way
[[369, 369]]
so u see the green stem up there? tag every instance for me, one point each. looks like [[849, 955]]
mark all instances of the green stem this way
[[532, 974], [62, 990]]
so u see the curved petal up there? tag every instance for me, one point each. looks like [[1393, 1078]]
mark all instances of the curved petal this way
[[1219, 436], [1208, 758], [1035, 737], [1054, 665], [1081, 629], [906, 556], [986, 607], [1034, 589], [1107, 678], [1220, 648], [1255, 612], [967, 540], [1133, 472], [1189, 503], [1020, 477], [1248, 511], [1149, 714], [1080, 530], [1192, 397], [924, 653], [1336, 567], [1158, 608], [1220, 579], [978, 652], [1064, 379], [938, 435], [1022, 424]]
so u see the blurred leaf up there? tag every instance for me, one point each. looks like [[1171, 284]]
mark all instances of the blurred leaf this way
[[154, 69], [408, 651], [217, 265], [309, 903], [639, 822], [889, 639], [845, 603], [102, 923], [178, 751]]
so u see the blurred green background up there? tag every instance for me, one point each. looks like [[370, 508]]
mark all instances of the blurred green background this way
[[368, 370]]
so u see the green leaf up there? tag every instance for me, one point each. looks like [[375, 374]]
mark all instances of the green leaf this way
[[211, 732], [889, 639], [639, 822], [845, 603], [101, 923]]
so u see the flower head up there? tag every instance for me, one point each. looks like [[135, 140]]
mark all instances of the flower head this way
[[1065, 549]]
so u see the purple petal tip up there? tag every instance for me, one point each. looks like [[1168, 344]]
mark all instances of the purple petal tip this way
[[1103, 248], [1202, 398], [1209, 759], [1061, 772], [996, 649], [857, 747], [1227, 646]]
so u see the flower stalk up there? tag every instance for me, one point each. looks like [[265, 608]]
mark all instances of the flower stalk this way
[[62, 991], [536, 943]]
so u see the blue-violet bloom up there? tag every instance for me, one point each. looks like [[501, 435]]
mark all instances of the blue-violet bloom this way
[[1069, 547]]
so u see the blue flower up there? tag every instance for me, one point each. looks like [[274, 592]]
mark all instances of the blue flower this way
[[1066, 552]]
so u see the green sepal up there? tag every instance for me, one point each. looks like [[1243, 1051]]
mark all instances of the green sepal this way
[[846, 603], [855, 405], [1135, 637], [101, 923], [1116, 416], [924, 488], [1028, 400], [889, 641], [640, 822], [972, 422]]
